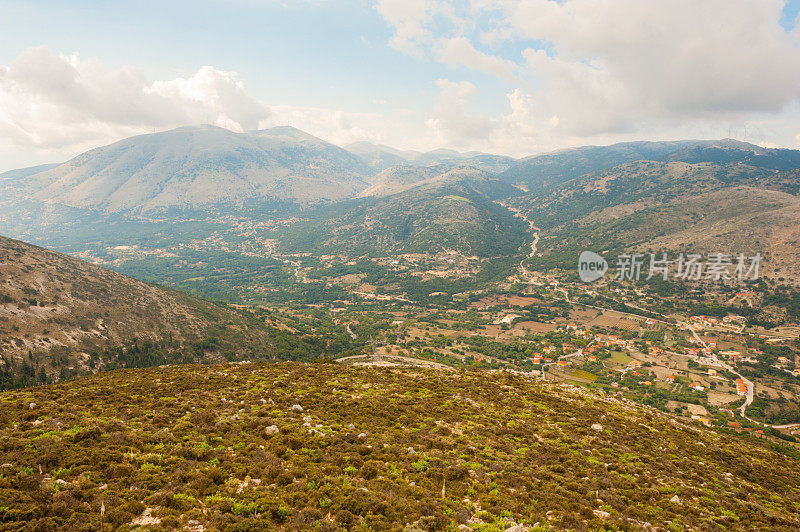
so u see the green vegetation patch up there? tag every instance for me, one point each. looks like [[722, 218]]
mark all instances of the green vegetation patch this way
[[293, 446]]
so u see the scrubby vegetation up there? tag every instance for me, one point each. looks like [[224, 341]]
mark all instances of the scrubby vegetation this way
[[428, 220], [322, 446]]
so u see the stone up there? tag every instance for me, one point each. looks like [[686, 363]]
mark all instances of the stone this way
[[297, 408], [597, 427], [271, 430]]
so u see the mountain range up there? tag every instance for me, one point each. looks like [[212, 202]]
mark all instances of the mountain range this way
[[634, 195], [380, 157]]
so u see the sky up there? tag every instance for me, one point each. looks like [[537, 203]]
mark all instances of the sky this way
[[515, 77]]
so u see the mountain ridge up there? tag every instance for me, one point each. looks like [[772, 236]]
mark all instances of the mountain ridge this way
[[194, 167], [57, 313]]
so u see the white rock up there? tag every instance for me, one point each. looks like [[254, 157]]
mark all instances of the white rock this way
[[676, 499], [351, 427], [597, 427], [271, 430], [146, 518], [515, 528], [601, 514], [297, 408], [362, 436]]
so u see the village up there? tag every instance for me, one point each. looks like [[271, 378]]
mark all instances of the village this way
[[443, 309]]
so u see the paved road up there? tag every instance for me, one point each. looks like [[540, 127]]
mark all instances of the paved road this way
[[717, 362]]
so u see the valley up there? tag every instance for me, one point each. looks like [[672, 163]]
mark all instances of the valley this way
[[400, 266], [434, 271]]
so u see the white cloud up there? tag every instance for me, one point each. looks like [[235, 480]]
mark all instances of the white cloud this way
[[451, 123], [604, 70], [336, 126], [677, 58], [568, 72], [412, 19], [460, 51], [58, 102]]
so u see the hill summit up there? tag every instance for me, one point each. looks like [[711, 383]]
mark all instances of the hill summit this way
[[329, 447], [61, 316], [199, 167]]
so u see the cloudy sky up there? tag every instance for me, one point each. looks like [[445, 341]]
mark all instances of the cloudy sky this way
[[506, 76]]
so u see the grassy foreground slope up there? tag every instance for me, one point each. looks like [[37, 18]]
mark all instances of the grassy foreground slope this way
[[225, 448]]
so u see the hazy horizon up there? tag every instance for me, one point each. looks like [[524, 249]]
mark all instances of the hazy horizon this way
[[4, 168], [513, 78]]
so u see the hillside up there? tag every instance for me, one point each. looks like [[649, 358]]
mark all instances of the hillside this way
[[398, 178], [60, 316], [405, 177], [225, 448], [650, 206], [197, 168], [453, 211], [380, 157], [25, 172], [552, 169]]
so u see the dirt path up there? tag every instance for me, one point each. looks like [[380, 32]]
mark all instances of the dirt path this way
[[750, 384], [391, 361]]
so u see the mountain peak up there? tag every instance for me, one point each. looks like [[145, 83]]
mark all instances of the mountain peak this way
[[197, 167], [287, 132]]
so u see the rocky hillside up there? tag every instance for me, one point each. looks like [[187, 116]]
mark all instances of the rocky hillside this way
[[60, 316], [648, 206], [197, 168], [328, 447]]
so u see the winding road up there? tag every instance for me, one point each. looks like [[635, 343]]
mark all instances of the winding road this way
[[534, 230], [750, 385], [716, 361]]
